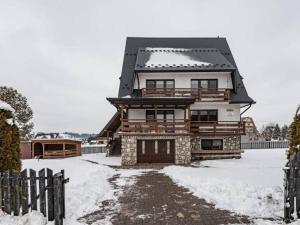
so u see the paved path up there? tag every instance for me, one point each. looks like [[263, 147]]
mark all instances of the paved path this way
[[156, 200]]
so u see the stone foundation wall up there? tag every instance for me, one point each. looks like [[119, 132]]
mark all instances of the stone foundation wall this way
[[229, 142], [232, 143], [129, 148]]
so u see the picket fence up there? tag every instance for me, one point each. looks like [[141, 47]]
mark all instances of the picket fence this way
[[92, 149], [20, 192], [265, 145]]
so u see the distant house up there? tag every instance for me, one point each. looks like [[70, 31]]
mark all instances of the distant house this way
[[251, 132], [179, 98]]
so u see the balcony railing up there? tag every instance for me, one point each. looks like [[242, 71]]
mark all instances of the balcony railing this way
[[184, 126], [202, 94], [217, 128], [155, 126]]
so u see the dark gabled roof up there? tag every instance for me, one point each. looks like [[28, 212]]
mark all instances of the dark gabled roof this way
[[133, 44], [181, 59]]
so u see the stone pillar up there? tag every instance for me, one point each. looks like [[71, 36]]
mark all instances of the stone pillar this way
[[182, 150], [129, 150]]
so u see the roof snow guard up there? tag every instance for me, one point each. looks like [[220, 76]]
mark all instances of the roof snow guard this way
[[181, 59]]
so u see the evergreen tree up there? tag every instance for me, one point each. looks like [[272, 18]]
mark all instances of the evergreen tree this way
[[9, 143], [284, 132], [295, 134], [23, 113], [276, 133]]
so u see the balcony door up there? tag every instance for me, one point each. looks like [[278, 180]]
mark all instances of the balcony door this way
[[160, 87], [165, 119]]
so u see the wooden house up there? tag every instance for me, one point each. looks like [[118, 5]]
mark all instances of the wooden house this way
[[179, 98]]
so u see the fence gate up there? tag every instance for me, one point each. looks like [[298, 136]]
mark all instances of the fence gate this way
[[42, 191]]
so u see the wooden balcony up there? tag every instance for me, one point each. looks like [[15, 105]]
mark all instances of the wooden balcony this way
[[203, 95], [155, 126], [222, 128], [217, 128]]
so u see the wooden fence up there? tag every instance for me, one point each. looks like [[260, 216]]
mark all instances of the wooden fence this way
[[93, 149], [20, 192], [265, 145]]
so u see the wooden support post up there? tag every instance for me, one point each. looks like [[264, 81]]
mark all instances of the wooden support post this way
[[64, 148], [189, 118], [122, 118], [43, 150], [155, 111]]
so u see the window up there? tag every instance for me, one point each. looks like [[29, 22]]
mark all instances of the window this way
[[206, 84], [161, 115], [150, 115], [204, 115], [153, 84], [212, 144]]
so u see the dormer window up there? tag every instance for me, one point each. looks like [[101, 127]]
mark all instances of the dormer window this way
[[160, 84], [204, 83]]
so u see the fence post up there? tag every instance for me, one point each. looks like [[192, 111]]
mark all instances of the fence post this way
[[1, 191], [6, 197], [63, 194], [33, 197], [42, 191], [58, 212], [15, 193], [24, 192], [287, 196], [50, 195]]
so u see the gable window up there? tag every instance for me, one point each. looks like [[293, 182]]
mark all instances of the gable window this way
[[204, 115], [204, 83], [161, 84], [212, 144]]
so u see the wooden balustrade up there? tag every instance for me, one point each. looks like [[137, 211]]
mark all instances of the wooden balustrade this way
[[201, 94], [155, 126], [60, 153], [218, 128], [184, 126]]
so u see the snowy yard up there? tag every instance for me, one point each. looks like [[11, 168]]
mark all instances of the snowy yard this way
[[251, 186]]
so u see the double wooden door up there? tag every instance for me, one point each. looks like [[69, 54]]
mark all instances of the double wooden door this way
[[156, 151]]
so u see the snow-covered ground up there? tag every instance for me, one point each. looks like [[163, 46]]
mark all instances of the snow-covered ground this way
[[250, 186], [88, 186]]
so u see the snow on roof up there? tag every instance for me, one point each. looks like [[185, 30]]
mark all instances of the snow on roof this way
[[6, 107], [160, 57]]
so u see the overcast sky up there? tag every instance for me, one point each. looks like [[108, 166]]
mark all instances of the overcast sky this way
[[65, 56]]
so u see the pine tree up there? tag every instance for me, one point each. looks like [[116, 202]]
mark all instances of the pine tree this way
[[284, 132], [295, 134], [23, 113], [276, 132], [9, 143]]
